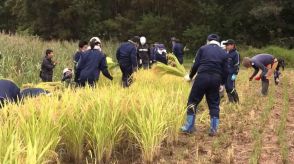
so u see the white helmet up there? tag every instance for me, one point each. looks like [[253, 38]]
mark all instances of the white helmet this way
[[66, 70], [95, 39], [142, 40], [223, 46]]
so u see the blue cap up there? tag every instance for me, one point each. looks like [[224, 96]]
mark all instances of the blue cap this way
[[213, 37]]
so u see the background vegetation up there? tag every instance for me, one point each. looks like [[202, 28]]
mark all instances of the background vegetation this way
[[250, 22]]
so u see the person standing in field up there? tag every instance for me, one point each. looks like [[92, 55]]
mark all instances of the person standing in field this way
[[47, 66], [209, 68], [126, 56], [267, 64], [143, 53], [9, 91], [83, 45], [232, 69], [91, 63], [178, 49]]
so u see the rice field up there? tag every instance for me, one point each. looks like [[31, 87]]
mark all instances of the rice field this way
[[109, 124]]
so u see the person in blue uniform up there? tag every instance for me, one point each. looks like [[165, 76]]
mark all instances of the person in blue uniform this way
[[160, 53], [83, 45], [126, 56], [91, 63], [178, 49], [33, 92], [232, 69], [9, 91], [209, 66]]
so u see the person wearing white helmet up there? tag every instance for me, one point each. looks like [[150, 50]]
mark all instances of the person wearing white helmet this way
[[92, 62], [143, 53], [67, 76]]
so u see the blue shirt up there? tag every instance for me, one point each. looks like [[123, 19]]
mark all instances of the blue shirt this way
[[260, 61], [209, 59], [90, 64], [127, 54], [178, 50], [233, 62]]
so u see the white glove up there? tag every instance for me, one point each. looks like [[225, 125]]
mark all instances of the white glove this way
[[187, 77]]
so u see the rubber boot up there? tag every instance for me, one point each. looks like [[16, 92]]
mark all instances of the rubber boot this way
[[264, 87], [189, 125], [235, 96], [214, 122], [231, 98]]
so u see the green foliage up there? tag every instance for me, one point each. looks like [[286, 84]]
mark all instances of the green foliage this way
[[257, 23]]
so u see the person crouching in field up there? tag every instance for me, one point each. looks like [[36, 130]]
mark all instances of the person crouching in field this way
[[83, 45], [209, 68], [126, 56], [33, 92], [91, 63], [8, 92], [267, 64], [67, 77], [232, 69], [47, 67]]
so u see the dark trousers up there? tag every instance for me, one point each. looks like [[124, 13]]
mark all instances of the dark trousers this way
[[205, 84], [91, 83], [231, 89], [1, 102], [145, 64], [180, 59], [127, 72], [46, 78]]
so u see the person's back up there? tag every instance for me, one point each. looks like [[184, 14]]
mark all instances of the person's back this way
[[264, 59], [8, 91], [178, 50], [90, 65], [160, 53], [210, 69], [126, 54], [32, 92], [210, 59]]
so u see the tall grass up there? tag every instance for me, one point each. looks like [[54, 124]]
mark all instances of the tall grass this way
[[22, 56], [258, 131]]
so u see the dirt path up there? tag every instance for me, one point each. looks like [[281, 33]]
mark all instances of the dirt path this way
[[290, 125], [242, 139], [270, 152]]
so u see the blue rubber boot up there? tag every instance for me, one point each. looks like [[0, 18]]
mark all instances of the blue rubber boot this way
[[214, 123], [189, 125]]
